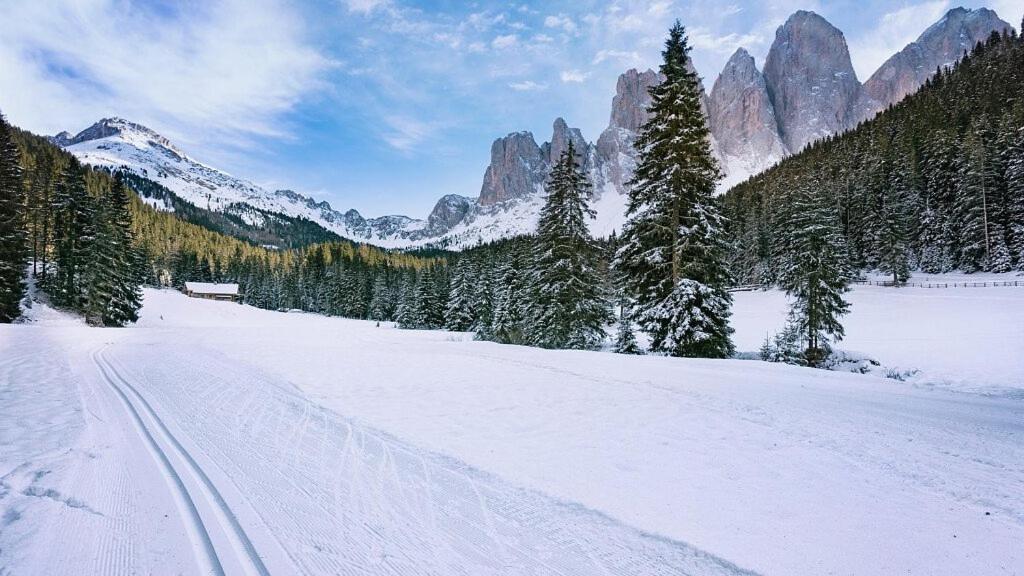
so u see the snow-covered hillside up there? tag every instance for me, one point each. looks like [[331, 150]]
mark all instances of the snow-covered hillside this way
[[116, 143], [220, 439]]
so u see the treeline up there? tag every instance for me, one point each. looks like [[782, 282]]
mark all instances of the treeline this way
[[273, 229], [934, 183]]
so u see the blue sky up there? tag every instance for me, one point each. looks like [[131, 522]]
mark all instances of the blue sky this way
[[380, 105]]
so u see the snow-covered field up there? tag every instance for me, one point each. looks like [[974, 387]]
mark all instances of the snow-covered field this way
[[216, 438]]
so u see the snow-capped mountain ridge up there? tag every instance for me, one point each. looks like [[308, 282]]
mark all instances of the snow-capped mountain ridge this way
[[806, 90]]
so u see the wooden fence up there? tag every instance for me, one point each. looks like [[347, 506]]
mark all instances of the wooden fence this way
[[891, 284]]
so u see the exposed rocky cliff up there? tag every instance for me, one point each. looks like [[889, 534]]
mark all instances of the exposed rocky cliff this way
[[810, 80], [742, 118], [941, 45]]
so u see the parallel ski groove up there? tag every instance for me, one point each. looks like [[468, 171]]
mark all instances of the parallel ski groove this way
[[193, 522], [234, 529]]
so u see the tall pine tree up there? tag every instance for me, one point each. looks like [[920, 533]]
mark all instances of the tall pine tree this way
[[673, 249], [13, 249], [569, 309], [814, 272]]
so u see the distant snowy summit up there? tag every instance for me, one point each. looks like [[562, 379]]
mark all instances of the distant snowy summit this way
[[807, 90]]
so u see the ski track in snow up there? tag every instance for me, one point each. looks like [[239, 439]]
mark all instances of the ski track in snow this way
[[343, 499]]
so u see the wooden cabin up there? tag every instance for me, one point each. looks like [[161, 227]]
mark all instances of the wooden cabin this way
[[212, 291]]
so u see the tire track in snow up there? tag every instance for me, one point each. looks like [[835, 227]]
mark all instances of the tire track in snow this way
[[247, 555]]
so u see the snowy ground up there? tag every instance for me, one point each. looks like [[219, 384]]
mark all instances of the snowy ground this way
[[964, 338], [215, 438]]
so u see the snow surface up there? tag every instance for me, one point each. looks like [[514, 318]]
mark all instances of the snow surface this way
[[217, 438], [967, 338]]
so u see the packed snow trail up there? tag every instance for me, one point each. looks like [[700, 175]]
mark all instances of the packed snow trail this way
[[250, 477], [148, 423], [313, 445], [343, 499]]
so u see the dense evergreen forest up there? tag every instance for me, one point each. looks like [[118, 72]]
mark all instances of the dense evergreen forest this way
[[934, 183]]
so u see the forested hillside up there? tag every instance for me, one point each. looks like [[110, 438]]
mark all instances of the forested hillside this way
[[258, 226], [90, 241], [934, 183]]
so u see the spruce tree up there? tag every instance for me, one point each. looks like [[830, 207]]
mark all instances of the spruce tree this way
[[625, 339], [511, 305], [429, 310], [74, 231], [1015, 192], [973, 204], [893, 247], [13, 248], [111, 277], [566, 300], [459, 315], [672, 253], [814, 273]]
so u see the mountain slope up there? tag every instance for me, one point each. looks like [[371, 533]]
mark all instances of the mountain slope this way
[[116, 143]]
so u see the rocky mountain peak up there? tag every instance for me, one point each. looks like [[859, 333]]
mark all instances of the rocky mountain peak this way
[[516, 170], [136, 134], [561, 135], [629, 106], [450, 210], [941, 45], [742, 118], [810, 79]]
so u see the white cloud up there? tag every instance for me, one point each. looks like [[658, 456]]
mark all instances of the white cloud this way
[[527, 86], [704, 39], [364, 6], [405, 133], [569, 76], [627, 56], [895, 30], [561, 21], [224, 70], [505, 41]]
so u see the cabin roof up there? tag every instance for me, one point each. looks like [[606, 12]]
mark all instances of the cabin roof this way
[[212, 288]]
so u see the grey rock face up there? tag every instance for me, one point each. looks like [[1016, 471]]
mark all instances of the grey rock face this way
[[629, 106], [63, 139], [516, 170], [742, 118], [615, 155], [810, 80], [561, 135], [940, 45], [447, 213]]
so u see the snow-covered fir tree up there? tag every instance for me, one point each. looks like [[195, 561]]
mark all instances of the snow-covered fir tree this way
[[113, 297], [13, 254], [568, 308], [382, 303], [814, 272], [894, 251], [973, 204], [406, 313], [1014, 166], [459, 314], [673, 249], [625, 339], [511, 303], [74, 230], [429, 308]]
